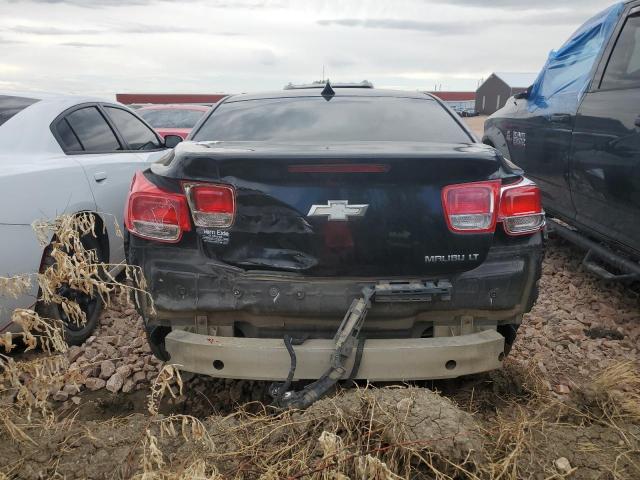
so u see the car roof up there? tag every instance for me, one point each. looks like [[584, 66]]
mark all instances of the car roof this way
[[54, 97], [29, 130], [339, 92], [176, 106]]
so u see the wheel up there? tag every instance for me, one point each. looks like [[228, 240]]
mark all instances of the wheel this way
[[155, 338], [91, 306], [509, 332]]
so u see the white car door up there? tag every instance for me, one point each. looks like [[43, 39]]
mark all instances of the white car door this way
[[111, 144]]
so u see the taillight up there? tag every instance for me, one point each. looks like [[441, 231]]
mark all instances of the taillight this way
[[471, 207], [476, 207], [154, 213], [521, 208], [211, 205]]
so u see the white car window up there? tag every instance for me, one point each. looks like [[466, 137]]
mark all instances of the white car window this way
[[137, 135], [67, 138], [92, 131]]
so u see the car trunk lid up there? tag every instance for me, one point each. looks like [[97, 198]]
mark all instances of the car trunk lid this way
[[361, 210]]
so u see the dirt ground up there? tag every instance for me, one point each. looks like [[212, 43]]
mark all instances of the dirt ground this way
[[476, 124]]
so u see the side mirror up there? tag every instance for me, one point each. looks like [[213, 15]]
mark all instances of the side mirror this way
[[523, 95], [170, 141]]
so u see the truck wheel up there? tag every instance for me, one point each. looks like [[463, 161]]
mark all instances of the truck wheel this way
[[509, 332], [91, 305]]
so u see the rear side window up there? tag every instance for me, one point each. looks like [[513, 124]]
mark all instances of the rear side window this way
[[68, 139], [137, 135], [10, 106], [91, 131], [171, 118], [341, 119], [623, 69]]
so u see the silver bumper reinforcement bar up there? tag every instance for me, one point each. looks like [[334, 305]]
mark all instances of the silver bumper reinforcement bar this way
[[382, 359]]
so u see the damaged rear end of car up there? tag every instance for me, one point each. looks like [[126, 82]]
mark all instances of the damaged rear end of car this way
[[267, 240]]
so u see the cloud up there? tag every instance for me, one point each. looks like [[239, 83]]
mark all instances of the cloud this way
[[88, 3], [35, 30], [250, 45], [165, 29], [264, 57], [548, 18], [141, 28], [9, 68], [443, 28], [520, 5], [137, 29], [87, 45], [10, 41], [244, 4], [340, 62]]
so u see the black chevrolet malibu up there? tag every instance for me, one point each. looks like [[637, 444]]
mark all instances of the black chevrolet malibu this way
[[329, 233]]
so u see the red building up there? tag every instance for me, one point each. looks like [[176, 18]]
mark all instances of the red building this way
[[164, 98]]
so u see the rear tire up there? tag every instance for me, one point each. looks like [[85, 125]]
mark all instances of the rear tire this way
[[91, 306], [155, 338], [509, 332]]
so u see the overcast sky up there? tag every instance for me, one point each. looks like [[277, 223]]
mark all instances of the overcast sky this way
[[104, 47]]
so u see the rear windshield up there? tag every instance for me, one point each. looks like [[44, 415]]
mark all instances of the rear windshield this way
[[10, 106], [171, 118], [341, 119]]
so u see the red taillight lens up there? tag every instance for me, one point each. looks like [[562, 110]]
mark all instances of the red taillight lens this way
[[211, 205], [521, 208], [154, 213], [471, 207], [520, 201]]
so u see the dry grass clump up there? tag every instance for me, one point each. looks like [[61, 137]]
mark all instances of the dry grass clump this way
[[530, 436], [360, 434], [79, 269], [29, 384], [615, 393]]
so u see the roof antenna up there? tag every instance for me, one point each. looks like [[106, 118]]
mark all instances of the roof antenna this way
[[328, 92]]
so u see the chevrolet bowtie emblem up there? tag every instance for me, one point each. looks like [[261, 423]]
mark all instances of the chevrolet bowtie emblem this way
[[337, 210]]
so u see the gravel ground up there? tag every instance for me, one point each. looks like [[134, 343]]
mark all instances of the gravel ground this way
[[580, 324], [116, 358]]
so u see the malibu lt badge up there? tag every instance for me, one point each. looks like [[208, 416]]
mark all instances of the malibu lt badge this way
[[471, 257]]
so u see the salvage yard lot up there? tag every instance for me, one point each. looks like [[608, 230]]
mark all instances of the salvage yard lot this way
[[565, 405]]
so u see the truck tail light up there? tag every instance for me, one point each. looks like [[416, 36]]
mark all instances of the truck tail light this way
[[521, 210], [211, 205], [155, 214], [471, 207]]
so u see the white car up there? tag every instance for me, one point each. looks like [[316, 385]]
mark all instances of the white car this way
[[64, 154]]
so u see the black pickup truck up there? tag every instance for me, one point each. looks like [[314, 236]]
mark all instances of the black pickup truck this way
[[576, 132], [290, 216]]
